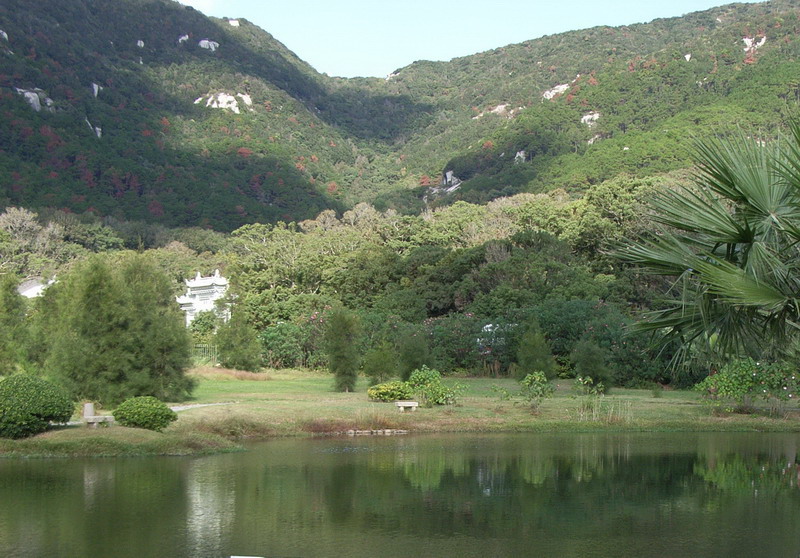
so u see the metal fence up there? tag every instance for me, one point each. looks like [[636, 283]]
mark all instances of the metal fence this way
[[205, 352]]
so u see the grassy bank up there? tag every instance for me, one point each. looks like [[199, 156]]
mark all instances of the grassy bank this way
[[234, 406]]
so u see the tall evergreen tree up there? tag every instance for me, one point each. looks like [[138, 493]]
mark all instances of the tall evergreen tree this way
[[341, 344], [534, 354], [115, 332], [413, 352], [238, 344]]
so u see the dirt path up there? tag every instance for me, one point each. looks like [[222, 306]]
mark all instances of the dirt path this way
[[178, 408]]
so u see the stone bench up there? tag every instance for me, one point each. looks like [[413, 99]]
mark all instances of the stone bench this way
[[403, 406], [93, 420]]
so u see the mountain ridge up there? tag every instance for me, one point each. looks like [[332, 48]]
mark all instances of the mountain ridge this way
[[147, 126]]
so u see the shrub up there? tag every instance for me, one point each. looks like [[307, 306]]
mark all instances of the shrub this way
[[437, 393], [428, 387], [424, 376], [424, 383], [145, 412], [28, 404], [739, 382], [391, 391], [586, 385], [590, 361], [534, 387]]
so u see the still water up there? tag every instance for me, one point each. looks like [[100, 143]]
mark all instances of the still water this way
[[642, 495]]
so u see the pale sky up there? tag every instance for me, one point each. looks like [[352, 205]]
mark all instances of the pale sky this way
[[352, 38]]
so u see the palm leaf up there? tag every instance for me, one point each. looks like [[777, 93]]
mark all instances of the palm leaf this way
[[733, 285], [700, 212]]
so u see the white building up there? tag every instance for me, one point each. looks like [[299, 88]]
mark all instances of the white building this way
[[202, 294]]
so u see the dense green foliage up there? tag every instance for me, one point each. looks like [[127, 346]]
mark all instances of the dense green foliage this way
[[204, 326], [144, 412], [238, 345], [742, 383], [332, 190], [391, 391], [282, 346], [29, 404], [429, 388], [380, 363], [114, 331], [450, 290], [534, 355], [14, 340], [590, 361]]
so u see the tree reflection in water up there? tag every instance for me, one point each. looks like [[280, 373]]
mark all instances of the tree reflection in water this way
[[499, 495]]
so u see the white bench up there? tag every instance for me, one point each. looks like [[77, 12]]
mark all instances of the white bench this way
[[402, 406]]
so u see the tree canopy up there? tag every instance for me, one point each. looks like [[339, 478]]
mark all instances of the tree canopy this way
[[114, 331]]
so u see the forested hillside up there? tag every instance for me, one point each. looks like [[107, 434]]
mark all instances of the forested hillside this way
[[147, 110], [463, 212]]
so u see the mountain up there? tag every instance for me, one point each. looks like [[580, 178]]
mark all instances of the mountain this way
[[148, 110]]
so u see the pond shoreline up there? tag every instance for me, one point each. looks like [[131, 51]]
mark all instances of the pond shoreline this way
[[227, 412], [211, 438]]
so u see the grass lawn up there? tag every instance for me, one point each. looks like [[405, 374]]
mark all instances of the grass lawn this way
[[303, 403]]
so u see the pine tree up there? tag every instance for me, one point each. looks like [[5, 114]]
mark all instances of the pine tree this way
[[534, 354], [590, 360], [413, 353], [238, 345], [116, 332], [341, 345]]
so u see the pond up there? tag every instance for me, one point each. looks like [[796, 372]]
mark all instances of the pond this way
[[575, 495]]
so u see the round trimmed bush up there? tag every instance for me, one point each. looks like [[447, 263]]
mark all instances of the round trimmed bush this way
[[28, 404], [144, 412]]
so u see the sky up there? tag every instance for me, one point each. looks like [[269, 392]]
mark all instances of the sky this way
[[372, 38]]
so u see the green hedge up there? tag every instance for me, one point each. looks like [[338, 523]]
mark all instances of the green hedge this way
[[28, 405], [145, 412]]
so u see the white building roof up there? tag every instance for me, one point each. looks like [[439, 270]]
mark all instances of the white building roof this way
[[214, 280]]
